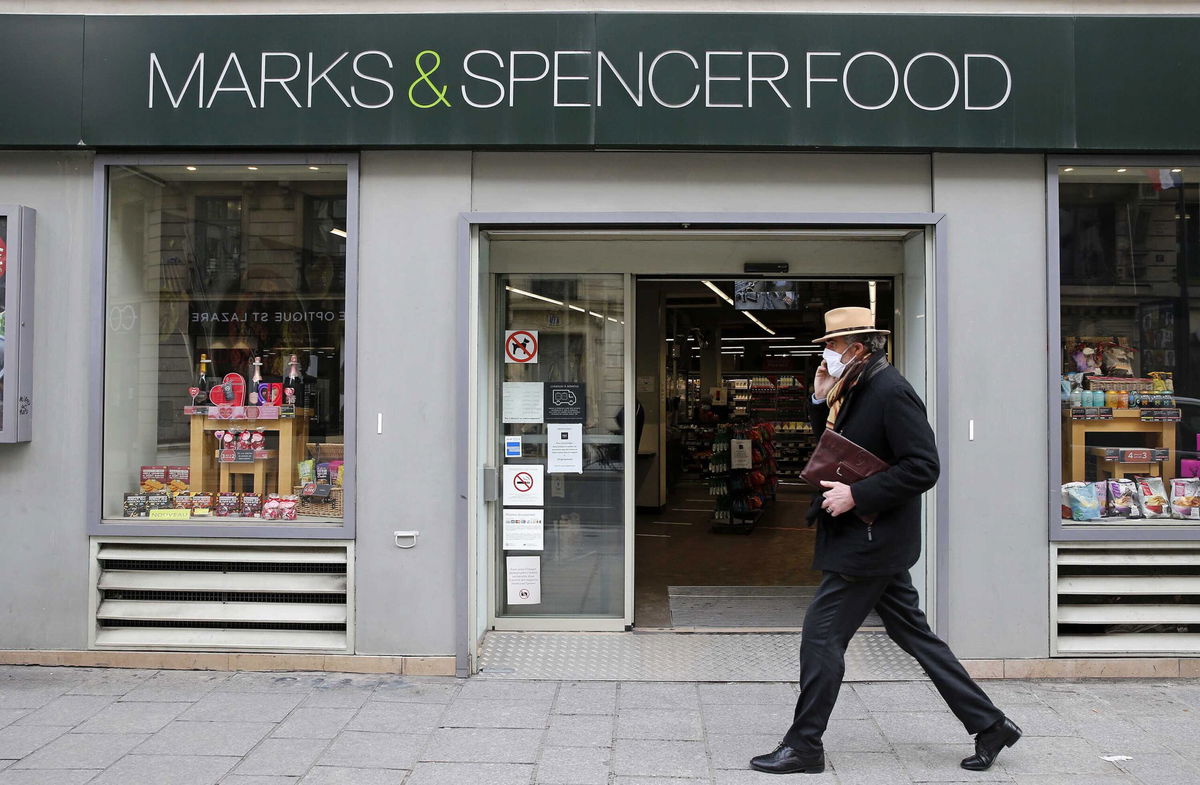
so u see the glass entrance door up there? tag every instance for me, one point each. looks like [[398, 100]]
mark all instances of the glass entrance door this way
[[559, 538]]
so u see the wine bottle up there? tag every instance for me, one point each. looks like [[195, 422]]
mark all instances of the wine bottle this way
[[293, 384], [255, 380], [202, 381]]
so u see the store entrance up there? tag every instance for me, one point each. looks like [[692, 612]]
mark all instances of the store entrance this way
[[724, 368], [612, 366]]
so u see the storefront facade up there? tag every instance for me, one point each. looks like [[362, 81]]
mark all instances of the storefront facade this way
[[388, 205]]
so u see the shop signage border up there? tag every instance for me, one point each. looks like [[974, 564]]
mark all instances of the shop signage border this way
[[599, 80]]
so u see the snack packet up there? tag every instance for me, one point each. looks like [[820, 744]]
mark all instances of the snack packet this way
[[1102, 496], [271, 510], [228, 504], [287, 507], [1152, 497], [1122, 499], [252, 505], [1082, 501], [307, 471], [136, 505], [1185, 498]]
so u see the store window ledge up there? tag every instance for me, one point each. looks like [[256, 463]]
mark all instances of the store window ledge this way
[[1133, 531], [293, 530]]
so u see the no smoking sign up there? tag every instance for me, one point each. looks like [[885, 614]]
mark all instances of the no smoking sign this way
[[521, 346], [524, 485]]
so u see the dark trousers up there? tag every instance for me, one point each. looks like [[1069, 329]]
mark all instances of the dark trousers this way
[[836, 612]]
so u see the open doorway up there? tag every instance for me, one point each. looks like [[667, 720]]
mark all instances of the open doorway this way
[[724, 368]]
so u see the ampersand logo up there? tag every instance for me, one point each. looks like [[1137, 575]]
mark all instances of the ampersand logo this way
[[424, 78]]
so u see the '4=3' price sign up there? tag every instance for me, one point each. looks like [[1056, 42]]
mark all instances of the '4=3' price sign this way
[[521, 346]]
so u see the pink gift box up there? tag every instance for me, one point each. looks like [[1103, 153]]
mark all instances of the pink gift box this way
[[1189, 467]]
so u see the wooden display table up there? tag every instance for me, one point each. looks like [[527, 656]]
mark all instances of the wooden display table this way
[[293, 436], [1075, 432]]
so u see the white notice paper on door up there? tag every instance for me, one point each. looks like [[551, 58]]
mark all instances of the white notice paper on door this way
[[564, 448], [524, 580], [523, 530], [522, 402], [524, 485]]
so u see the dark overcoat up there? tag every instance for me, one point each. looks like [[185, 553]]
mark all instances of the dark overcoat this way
[[883, 414]]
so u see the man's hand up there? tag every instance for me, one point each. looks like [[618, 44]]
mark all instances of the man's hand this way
[[822, 382], [838, 499]]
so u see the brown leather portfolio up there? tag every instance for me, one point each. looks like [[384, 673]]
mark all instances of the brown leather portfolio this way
[[837, 459]]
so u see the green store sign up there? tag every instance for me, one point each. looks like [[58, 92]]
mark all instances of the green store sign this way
[[602, 80]]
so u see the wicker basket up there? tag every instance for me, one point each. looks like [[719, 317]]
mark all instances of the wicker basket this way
[[325, 508]]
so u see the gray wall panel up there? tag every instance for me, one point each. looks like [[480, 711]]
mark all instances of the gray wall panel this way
[[43, 489], [998, 546], [410, 204], [679, 182]]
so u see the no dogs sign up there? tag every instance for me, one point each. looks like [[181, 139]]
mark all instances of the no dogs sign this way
[[521, 346]]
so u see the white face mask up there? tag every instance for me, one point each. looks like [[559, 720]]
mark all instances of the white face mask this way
[[833, 363]]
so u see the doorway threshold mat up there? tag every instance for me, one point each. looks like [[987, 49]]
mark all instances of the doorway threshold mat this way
[[675, 656], [724, 607]]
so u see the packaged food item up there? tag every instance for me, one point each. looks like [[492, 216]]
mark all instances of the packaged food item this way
[[1185, 498], [1152, 497], [252, 504], [183, 501], [159, 500], [307, 471], [136, 505], [1102, 496], [1122, 499], [271, 509], [178, 478], [1081, 499], [228, 504], [202, 500], [287, 507], [322, 472], [153, 478], [341, 475]]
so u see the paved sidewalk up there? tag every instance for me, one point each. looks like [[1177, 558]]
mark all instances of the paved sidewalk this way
[[68, 726]]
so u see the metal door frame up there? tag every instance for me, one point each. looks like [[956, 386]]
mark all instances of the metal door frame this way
[[475, 377]]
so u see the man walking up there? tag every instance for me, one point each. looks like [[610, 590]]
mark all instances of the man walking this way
[[865, 564]]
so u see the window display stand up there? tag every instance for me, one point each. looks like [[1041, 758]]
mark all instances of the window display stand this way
[[293, 435], [1075, 433]]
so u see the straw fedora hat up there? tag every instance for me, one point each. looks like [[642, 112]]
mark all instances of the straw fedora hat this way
[[848, 321]]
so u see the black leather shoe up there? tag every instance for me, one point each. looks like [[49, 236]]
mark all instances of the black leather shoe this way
[[1003, 733], [785, 760]]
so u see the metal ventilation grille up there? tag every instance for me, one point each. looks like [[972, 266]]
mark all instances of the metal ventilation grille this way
[[1128, 599], [205, 595]]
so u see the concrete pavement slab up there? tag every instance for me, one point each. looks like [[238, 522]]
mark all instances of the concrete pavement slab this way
[[67, 710], [175, 686], [738, 694], [474, 773], [378, 717], [868, 768], [255, 779], [281, 756], [670, 724], [574, 766], [747, 719], [855, 736], [586, 698], [657, 695], [579, 730], [940, 763], [82, 751], [133, 717], [734, 751], [373, 750], [166, 770], [205, 738], [472, 713], [483, 745], [921, 727], [313, 723], [47, 776], [242, 707], [343, 775], [659, 758], [17, 741], [407, 691]]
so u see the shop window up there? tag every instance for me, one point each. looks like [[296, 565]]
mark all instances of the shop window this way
[[1130, 355], [224, 365]]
